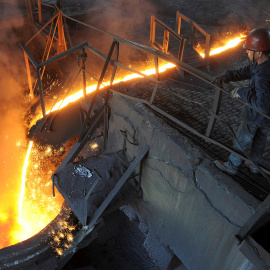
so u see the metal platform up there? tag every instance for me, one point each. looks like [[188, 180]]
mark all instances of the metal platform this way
[[188, 100]]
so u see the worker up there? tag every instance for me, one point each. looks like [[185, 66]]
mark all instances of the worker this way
[[254, 127]]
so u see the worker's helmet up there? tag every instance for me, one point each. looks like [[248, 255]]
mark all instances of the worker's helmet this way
[[258, 40]]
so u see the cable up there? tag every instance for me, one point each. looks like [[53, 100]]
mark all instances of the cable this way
[[124, 133]]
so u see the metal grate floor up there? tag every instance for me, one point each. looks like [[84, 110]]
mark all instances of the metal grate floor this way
[[188, 100]]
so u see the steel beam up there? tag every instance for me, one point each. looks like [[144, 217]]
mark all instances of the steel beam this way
[[166, 41], [29, 55], [96, 92], [250, 224], [156, 85], [28, 74], [215, 111], [167, 28], [39, 12], [83, 71], [63, 54], [29, 10], [152, 30], [43, 27], [117, 187], [41, 93]]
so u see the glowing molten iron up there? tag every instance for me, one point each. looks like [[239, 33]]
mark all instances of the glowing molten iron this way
[[227, 45], [36, 206]]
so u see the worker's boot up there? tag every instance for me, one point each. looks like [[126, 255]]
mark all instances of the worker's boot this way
[[225, 166], [251, 167]]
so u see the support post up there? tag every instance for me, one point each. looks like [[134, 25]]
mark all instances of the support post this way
[[166, 41], [178, 23], [251, 223], [29, 11], [207, 51], [192, 33], [41, 93], [33, 4], [156, 85], [143, 151], [215, 110], [39, 12], [114, 71], [28, 74], [84, 56], [152, 30], [181, 49], [106, 127], [180, 57], [61, 37], [84, 128]]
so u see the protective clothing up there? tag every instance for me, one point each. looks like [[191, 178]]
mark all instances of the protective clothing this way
[[254, 128], [249, 135], [257, 94], [219, 80], [234, 93], [258, 40]]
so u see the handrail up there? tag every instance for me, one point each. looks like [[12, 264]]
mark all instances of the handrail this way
[[156, 54], [194, 25], [198, 73], [167, 32]]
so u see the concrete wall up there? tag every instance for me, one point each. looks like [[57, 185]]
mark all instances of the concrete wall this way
[[190, 206]]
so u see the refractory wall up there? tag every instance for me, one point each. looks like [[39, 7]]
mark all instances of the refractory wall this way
[[190, 206]]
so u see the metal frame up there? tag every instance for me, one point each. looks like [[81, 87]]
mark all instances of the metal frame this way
[[142, 153], [167, 32], [91, 123], [194, 25], [56, 20], [252, 223], [156, 54]]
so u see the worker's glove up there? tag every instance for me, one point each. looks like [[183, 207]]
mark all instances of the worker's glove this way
[[219, 80], [234, 93]]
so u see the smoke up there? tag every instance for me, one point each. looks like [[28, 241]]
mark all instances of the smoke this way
[[12, 131], [126, 19]]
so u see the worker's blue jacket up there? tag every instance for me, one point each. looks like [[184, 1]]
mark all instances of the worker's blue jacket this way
[[257, 94]]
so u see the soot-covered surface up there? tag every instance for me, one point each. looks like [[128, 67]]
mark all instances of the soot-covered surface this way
[[119, 246]]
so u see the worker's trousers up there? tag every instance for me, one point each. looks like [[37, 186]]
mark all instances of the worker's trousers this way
[[251, 138]]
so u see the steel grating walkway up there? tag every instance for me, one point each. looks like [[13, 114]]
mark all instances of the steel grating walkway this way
[[188, 100]]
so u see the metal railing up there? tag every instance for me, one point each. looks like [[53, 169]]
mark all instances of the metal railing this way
[[166, 38], [157, 55], [194, 25], [91, 122], [55, 23]]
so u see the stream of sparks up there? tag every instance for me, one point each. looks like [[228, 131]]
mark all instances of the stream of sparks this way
[[26, 162]]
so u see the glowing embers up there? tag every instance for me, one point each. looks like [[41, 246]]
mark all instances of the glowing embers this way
[[62, 239], [37, 206], [223, 45]]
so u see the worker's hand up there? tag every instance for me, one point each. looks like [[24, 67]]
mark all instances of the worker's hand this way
[[219, 80], [234, 93]]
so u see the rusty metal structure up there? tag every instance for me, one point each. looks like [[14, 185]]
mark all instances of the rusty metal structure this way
[[191, 56], [92, 120]]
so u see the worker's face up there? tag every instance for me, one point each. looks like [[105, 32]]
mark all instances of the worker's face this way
[[253, 56], [250, 55]]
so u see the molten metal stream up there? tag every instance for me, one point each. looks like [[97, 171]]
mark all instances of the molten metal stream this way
[[230, 44], [26, 163]]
